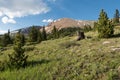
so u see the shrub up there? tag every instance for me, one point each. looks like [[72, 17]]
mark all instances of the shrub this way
[[29, 48], [87, 28], [3, 65], [68, 31], [113, 75], [69, 44], [3, 49]]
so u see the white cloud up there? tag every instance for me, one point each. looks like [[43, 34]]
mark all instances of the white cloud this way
[[47, 20], [3, 31], [52, 0], [8, 20], [20, 8], [1, 14]]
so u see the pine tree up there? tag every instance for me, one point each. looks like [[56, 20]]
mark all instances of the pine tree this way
[[44, 35], [55, 33], [104, 25], [33, 34], [19, 38], [22, 39], [18, 58], [6, 39], [39, 38], [116, 17], [95, 26]]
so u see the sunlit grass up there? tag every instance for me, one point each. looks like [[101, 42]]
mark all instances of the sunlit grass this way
[[88, 59]]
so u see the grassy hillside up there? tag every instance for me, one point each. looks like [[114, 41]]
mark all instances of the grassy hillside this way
[[68, 59]]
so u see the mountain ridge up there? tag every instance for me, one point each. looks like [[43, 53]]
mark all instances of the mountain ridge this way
[[59, 23], [68, 22]]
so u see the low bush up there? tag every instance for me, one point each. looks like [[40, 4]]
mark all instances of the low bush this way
[[113, 75], [69, 44], [87, 28], [68, 31], [3, 49], [29, 48], [3, 65]]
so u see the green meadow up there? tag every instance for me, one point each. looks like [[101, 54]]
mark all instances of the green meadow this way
[[67, 59]]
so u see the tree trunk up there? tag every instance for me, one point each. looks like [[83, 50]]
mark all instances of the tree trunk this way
[[80, 35]]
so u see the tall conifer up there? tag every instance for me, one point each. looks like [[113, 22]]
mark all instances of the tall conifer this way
[[116, 17], [104, 25]]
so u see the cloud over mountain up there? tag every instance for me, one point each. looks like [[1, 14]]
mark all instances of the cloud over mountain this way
[[10, 9], [47, 20]]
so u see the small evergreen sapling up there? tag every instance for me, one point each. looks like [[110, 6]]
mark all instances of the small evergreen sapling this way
[[55, 32], [44, 35], [18, 59]]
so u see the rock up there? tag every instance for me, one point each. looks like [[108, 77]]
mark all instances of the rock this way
[[116, 49], [106, 42], [112, 46]]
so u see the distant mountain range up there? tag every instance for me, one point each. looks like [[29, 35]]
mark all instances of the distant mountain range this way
[[25, 31], [59, 23]]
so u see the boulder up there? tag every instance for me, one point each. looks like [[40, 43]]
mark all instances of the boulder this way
[[106, 42]]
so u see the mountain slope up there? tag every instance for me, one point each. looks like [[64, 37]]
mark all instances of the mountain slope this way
[[67, 22], [60, 23], [67, 59]]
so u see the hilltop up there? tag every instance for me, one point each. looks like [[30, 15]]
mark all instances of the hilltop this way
[[68, 22]]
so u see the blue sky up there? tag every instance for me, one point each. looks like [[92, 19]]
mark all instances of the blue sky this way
[[15, 14]]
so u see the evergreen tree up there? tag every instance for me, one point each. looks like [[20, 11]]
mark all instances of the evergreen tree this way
[[104, 25], [55, 33], [95, 26], [18, 58], [6, 39], [23, 39], [33, 34], [116, 16], [44, 35], [19, 38], [39, 38]]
